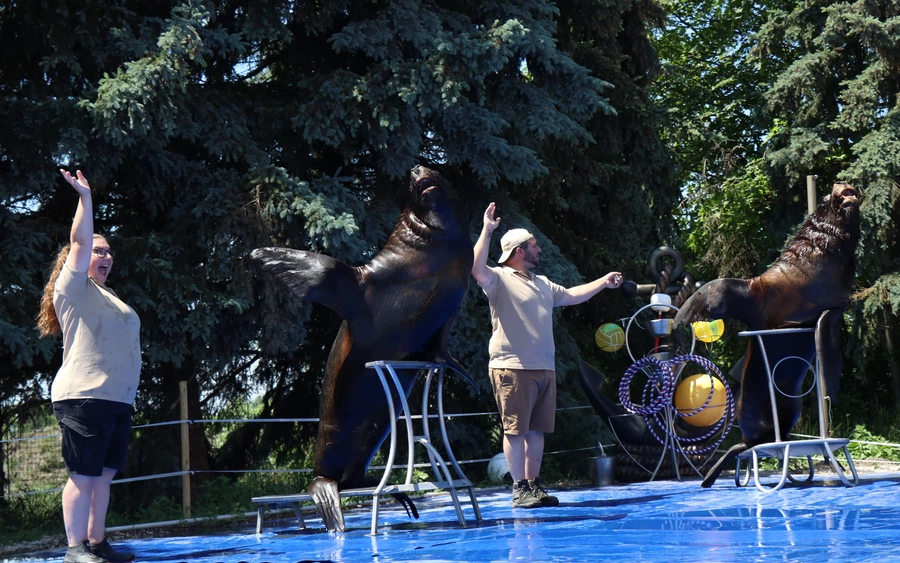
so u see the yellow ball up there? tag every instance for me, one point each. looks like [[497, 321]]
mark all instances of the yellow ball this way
[[609, 337], [692, 393], [708, 331]]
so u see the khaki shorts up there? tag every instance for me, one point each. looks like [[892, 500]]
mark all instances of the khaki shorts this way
[[526, 399]]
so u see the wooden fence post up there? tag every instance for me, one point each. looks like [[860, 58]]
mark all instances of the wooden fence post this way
[[185, 451], [811, 203]]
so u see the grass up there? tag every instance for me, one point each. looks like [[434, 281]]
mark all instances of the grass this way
[[30, 517]]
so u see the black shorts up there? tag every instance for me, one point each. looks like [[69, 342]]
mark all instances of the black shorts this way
[[95, 434]]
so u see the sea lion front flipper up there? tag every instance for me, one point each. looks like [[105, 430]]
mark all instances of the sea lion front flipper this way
[[716, 469], [724, 298], [456, 367], [316, 277], [831, 361], [324, 492], [403, 499]]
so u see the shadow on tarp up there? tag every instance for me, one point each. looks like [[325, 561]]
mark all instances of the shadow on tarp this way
[[664, 521]]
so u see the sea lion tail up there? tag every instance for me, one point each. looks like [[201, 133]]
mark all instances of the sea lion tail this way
[[407, 503], [716, 469]]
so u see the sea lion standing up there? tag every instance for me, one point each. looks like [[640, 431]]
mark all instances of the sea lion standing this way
[[399, 306], [813, 274]]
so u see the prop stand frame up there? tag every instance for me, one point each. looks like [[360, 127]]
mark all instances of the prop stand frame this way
[[387, 374], [671, 445], [783, 450]]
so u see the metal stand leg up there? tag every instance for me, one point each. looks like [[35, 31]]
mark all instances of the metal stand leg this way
[[260, 510]]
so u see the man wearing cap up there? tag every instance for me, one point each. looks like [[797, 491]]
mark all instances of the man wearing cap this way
[[522, 353]]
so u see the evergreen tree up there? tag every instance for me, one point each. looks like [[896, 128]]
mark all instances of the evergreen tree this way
[[837, 114], [763, 94], [212, 128]]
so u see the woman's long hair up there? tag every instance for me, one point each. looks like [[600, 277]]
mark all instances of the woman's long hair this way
[[47, 322]]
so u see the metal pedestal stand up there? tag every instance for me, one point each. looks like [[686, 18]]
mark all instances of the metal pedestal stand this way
[[783, 450], [444, 479]]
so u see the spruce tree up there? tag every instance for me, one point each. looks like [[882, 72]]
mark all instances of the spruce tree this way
[[208, 129], [836, 105]]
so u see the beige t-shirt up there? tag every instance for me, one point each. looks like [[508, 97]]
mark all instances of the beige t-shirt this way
[[101, 342], [522, 319]]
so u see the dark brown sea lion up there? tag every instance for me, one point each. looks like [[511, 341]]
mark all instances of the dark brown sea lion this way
[[813, 274], [399, 306]]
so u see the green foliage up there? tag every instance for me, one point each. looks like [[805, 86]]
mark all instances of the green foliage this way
[[729, 235], [873, 450], [207, 130], [710, 86], [30, 517]]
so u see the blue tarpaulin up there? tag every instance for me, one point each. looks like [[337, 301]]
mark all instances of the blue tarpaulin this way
[[664, 521]]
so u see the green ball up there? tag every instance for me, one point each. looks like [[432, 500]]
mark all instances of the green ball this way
[[609, 337]]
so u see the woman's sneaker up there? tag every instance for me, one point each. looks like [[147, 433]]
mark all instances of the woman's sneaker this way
[[82, 554], [537, 490], [105, 551], [523, 496]]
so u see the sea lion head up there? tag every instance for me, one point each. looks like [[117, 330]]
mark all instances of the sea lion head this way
[[844, 202], [433, 199]]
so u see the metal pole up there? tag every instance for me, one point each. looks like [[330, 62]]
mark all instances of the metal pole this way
[[820, 395], [811, 193], [185, 451]]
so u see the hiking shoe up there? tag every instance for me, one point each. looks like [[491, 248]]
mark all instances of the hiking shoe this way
[[523, 497], [82, 554], [104, 550], [537, 489]]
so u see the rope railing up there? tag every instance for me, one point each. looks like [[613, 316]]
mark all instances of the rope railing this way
[[303, 470]]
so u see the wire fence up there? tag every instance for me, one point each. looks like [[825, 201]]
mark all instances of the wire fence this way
[[32, 460]]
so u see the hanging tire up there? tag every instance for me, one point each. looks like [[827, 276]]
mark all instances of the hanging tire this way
[[656, 263]]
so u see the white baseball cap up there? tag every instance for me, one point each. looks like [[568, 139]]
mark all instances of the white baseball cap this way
[[511, 240]]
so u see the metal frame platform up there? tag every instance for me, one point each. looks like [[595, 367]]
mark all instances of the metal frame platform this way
[[441, 471], [783, 450]]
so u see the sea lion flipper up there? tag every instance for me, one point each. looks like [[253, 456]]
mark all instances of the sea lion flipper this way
[[407, 503], [831, 361], [324, 492], [404, 499], [457, 367], [716, 469], [724, 298], [438, 346], [315, 277], [627, 428]]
